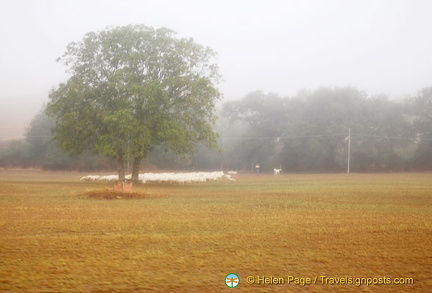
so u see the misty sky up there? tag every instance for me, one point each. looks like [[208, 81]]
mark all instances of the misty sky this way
[[379, 46]]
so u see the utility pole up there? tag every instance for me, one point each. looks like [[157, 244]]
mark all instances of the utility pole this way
[[128, 159], [349, 150]]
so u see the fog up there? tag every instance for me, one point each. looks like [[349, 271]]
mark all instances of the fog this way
[[274, 46]]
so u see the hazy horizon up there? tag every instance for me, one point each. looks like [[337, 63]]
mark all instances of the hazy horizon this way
[[381, 47]]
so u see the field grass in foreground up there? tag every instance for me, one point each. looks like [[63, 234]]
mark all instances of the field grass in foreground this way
[[187, 238]]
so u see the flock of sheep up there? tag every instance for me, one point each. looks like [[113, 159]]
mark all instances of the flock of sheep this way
[[189, 177], [180, 178]]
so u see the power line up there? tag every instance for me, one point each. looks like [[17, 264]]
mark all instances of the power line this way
[[392, 137], [280, 137], [326, 135]]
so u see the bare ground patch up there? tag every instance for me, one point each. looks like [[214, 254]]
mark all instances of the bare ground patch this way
[[110, 194]]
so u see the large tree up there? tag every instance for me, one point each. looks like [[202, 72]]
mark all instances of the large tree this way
[[132, 88]]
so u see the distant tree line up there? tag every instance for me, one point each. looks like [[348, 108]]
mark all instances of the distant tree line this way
[[310, 132], [305, 133]]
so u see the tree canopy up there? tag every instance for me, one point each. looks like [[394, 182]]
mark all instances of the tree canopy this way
[[133, 88]]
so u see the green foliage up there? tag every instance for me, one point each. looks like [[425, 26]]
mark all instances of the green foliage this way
[[14, 153], [133, 88], [420, 108], [38, 150], [309, 132], [38, 136]]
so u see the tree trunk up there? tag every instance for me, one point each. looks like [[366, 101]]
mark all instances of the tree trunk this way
[[121, 168], [135, 168]]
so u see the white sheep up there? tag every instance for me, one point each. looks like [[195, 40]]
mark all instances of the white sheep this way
[[90, 178], [109, 178], [168, 177], [276, 171]]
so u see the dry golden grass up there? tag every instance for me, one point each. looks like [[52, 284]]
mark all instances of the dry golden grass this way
[[187, 238]]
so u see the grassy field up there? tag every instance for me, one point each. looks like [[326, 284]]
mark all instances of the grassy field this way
[[188, 238]]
